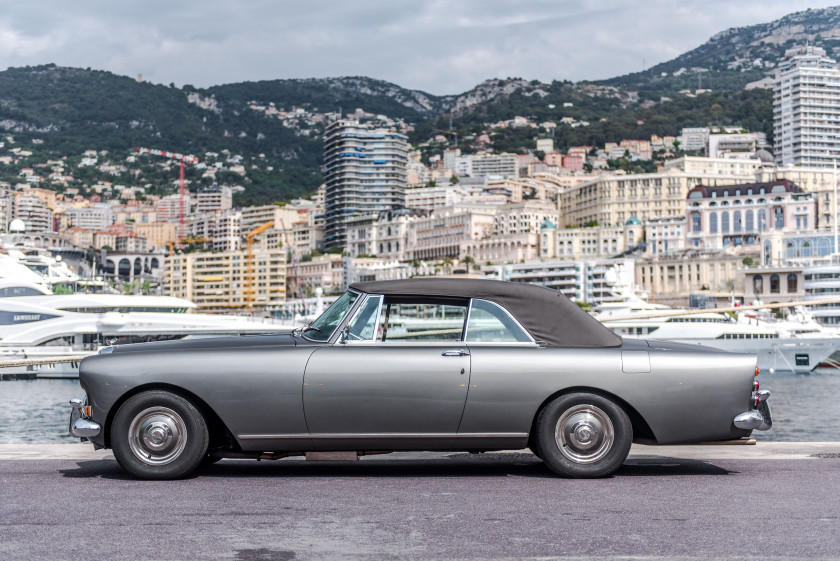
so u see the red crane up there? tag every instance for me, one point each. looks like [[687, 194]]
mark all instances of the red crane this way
[[182, 159]]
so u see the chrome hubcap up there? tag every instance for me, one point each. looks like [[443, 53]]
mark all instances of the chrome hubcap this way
[[157, 436], [584, 434]]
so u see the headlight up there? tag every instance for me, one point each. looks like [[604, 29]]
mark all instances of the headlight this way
[[106, 350]]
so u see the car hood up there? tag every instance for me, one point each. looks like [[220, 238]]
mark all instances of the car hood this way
[[189, 344]]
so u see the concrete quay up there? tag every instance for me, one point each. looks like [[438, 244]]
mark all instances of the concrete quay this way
[[774, 500], [759, 450]]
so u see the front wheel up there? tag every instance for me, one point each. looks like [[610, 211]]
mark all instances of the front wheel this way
[[159, 435], [583, 435]]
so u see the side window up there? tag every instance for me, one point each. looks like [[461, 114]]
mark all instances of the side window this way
[[489, 323], [421, 319], [363, 324]]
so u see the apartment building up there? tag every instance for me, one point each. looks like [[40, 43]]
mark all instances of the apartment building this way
[[515, 236], [221, 282], [383, 234], [589, 243], [94, 217], [364, 171], [614, 199], [494, 165], [440, 235], [221, 231], [158, 234], [214, 199], [36, 216], [806, 108], [580, 280]]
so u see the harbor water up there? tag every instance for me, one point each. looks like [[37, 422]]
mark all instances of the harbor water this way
[[804, 408]]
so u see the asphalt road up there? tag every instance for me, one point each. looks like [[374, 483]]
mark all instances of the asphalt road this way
[[436, 507]]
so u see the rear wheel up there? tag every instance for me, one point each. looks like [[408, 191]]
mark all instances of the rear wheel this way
[[159, 435], [583, 435]]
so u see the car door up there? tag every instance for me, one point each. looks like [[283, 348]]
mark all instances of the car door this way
[[400, 371], [506, 382]]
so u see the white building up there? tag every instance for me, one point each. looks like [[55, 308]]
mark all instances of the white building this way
[[665, 236], [581, 280], [806, 108], [214, 199], [34, 213], [440, 235], [222, 230], [96, 217], [589, 243], [735, 215], [364, 171], [495, 165]]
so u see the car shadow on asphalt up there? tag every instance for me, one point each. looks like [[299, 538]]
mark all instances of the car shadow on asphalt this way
[[465, 465]]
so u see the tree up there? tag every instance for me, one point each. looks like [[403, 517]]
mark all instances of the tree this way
[[468, 261]]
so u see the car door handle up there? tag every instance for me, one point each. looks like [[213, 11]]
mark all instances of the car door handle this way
[[455, 353]]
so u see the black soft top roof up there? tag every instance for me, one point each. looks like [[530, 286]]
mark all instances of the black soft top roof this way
[[547, 314]]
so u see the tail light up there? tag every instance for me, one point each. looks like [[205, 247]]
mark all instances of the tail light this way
[[755, 385]]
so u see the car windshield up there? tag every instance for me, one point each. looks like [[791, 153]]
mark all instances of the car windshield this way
[[322, 328]]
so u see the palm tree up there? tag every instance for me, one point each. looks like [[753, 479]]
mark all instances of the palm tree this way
[[468, 261]]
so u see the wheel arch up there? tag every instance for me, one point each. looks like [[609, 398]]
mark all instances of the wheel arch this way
[[219, 433], [641, 429]]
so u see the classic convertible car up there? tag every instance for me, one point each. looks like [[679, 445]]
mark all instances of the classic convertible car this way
[[420, 364]]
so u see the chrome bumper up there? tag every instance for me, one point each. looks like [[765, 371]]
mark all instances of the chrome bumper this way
[[80, 424], [759, 418]]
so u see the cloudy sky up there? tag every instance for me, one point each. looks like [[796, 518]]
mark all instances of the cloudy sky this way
[[439, 46]]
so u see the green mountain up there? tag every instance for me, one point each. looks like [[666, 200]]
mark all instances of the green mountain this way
[[69, 110]]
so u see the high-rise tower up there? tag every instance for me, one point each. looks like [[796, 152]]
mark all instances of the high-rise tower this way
[[364, 171], [806, 108]]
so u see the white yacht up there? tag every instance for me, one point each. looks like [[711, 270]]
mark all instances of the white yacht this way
[[780, 346], [58, 325]]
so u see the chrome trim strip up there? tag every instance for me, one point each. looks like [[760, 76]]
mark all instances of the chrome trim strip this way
[[327, 436]]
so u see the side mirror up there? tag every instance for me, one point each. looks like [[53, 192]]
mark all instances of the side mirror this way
[[344, 335]]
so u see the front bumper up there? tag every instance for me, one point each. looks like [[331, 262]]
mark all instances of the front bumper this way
[[759, 418], [81, 425]]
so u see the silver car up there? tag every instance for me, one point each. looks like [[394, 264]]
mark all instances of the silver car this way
[[420, 364]]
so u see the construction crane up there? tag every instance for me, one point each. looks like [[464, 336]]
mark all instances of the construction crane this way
[[249, 290], [181, 159]]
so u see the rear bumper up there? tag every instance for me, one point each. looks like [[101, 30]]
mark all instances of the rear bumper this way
[[759, 418], [80, 425]]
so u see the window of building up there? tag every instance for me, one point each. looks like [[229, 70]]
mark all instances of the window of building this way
[[736, 222], [762, 220], [791, 283], [713, 223], [779, 215], [750, 217], [724, 222], [774, 284], [695, 222], [758, 284]]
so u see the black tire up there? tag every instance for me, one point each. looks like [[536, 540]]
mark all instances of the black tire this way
[[159, 435], [595, 438]]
